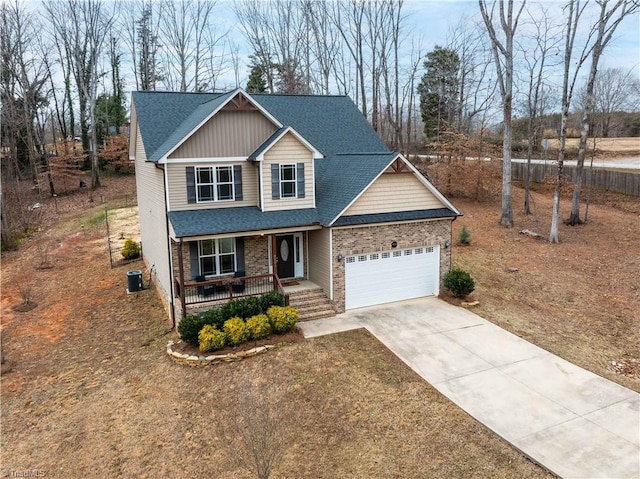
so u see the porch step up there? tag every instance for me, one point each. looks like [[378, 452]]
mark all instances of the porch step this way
[[311, 304]]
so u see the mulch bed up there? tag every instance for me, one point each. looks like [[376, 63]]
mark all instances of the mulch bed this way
[[294, 336]]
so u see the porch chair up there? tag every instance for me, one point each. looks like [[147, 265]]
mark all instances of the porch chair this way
[[238, 286], [206, 290]]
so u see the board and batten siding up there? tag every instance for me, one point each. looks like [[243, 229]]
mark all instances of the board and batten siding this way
[[153, 219], [393, 192], [288, 150], [320, 258], [177, 177], [227, 134]]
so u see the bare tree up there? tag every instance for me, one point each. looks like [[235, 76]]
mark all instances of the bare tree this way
[[276, 32], [536, 61], [23, 91], [574, 11], [83, 26], [615, 90], [503, 57], [258, 426], [476, 89], [348, 16], [325, 42], [611, 15]]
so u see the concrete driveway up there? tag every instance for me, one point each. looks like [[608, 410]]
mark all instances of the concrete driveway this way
[[569, 420]]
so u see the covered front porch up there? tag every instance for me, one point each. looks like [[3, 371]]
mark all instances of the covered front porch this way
[[211, 270]]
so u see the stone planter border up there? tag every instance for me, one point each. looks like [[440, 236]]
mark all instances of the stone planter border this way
[[206, 360]]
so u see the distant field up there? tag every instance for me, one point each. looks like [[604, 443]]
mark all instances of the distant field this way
[[604, 144]]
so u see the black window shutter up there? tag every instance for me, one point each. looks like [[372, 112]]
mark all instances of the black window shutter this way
[[300, 179], [240, 254], [275, 181], [237, 181], [191, 184], [195, 260]]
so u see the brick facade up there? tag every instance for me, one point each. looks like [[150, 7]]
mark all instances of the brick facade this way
[[355, 240]]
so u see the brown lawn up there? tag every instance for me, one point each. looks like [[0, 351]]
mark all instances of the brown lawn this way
[[91, 391]]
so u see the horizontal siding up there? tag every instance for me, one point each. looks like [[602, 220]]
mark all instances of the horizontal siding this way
[[133, 136], [178, 187], [288, 150], [320, 258], [152, 217], [393, 192], [227, 134]]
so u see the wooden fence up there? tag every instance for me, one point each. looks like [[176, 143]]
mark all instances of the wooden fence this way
[[619, 181]]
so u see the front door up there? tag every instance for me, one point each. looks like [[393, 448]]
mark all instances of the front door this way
[[286, 257]]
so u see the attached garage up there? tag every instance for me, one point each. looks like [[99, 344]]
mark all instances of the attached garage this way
[[387, 276]]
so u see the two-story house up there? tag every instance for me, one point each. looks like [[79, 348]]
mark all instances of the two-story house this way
[[271, 188]]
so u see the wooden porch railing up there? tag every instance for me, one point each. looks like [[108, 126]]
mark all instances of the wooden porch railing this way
[[226, 289]]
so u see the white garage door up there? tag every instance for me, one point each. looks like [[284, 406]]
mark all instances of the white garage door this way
[[387, 276]]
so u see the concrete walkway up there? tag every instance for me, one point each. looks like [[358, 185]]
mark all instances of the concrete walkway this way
[[569, 420]]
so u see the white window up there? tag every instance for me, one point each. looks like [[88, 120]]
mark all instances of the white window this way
[[288, 181], [214, 183], [217, 256]]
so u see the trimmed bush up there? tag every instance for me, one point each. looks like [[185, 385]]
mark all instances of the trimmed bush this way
[[272, 298], [215, 318], [459, 282], [131, 249], [210, 339], [190, 326], [236, 331], [241, 308], [258, 327], [282, 318], [465, 236]]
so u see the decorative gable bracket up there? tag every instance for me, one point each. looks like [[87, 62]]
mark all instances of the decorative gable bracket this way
[[398, 166], [240, 102]]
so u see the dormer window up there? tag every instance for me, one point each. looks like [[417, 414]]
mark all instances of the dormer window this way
[[288, 181]]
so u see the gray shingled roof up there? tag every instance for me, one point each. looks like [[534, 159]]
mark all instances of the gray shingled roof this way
[[161, 113], [266, 143], [341, 178], [237, 220], [355, 156], [333, 124], [397, 216]]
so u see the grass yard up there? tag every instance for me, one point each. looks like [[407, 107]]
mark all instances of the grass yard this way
[[91, 391]]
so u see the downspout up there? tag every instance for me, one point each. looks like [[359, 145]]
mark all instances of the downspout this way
[[172, 311], [181, 274]]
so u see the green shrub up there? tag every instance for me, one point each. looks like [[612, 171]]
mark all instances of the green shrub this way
[[241, 308], [236, 331], [465, 236], [210, 339], [459, 282], [282, 318], [272, 298], [190, 326], [249, 306], [131, 249], [215, 318], [258, 326]]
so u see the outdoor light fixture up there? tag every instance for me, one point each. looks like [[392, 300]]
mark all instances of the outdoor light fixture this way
[[339, 257], [394, 244], [446, 244]]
